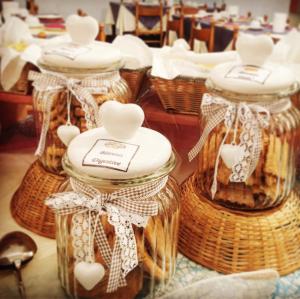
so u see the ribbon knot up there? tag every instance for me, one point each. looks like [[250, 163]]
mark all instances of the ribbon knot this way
[[124, 208], [96, 203], [252, 118], [71, 83]]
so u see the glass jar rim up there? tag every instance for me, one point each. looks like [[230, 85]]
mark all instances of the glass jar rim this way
[[80, 71], [255, 97], [118, 183]]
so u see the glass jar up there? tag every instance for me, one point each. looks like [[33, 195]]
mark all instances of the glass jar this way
[[274, 175], [110, 85], [296, 102], [156, 243]]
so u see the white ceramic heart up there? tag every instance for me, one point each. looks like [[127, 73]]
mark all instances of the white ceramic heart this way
[[83, 30], [67, 132], [254, 50], [121, 120], [89, 274], [231, 154]]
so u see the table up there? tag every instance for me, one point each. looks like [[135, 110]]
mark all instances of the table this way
[[176, 127], [224, 30], [40, 275], [10, 109], [123, 17]]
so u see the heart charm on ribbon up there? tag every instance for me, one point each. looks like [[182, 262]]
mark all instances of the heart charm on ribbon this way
[[89, 274], [67, 132], [231, 154]]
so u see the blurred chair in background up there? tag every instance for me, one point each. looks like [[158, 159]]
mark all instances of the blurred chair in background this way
[[149, 11], [174, 25], [206, 35]]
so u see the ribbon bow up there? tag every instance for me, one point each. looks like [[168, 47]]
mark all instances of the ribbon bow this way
[[252, 117], [49, 84], [124, 207]]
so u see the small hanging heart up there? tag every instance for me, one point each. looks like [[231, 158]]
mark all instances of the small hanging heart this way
[[231, 154], [89, 274], [121, 120], [67, 132]]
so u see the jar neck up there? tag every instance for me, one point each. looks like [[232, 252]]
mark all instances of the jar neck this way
[[237, 98], [109, 73], [111, 185]]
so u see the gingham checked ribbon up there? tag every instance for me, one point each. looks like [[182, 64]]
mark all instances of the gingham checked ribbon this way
[[124, 207], [49, 84], [253, 117]]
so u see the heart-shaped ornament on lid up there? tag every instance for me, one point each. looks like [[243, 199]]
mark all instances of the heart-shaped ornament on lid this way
[[231, 154], [254, 50], [89, 274], [83, 30], [121, 120]]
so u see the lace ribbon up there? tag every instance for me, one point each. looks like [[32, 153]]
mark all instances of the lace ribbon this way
[[50, 84], [124, 207], [252, 117]]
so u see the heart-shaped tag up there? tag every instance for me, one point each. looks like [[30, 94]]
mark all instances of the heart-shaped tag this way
[[83, 30], [89, 274], [231, 154], [254, 50], [121, 120], [67, 132]]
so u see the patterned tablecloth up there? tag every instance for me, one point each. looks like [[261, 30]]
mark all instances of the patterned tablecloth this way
[[187, 272]]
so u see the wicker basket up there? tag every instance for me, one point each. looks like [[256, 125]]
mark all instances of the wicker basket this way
[[181, 95], [135, 80], [27, 205], [230, 241], [23, 86]]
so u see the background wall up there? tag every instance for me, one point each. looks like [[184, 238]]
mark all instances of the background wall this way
[[97, 8]]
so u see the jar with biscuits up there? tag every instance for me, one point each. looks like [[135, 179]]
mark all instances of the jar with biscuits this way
[[77, 76], [246, 154], [117, 216]]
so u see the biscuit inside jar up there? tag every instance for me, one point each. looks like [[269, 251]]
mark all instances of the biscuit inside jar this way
[[271, 180]]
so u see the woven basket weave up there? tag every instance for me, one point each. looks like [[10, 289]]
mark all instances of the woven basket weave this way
[[135, 80], [27, 205], [230, 241], [181, 95]]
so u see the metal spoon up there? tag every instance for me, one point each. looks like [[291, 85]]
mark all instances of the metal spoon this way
[[16, 248]]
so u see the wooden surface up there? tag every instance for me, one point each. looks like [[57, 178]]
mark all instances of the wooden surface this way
[[14, 98], [13, 107], [182, 130]]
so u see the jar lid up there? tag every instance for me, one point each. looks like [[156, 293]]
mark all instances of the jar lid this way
[[83, 52], [253, 75], [121, 149]]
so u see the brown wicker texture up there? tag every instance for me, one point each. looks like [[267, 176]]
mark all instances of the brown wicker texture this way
[[23, 86], [135, 80], [27, 205], [230, 241], [180, 95]]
